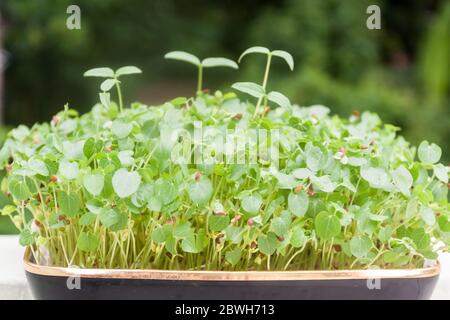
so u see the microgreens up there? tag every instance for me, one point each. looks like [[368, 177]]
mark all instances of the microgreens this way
[[111, 81], [101, 190], [201, 64], [259, 91]]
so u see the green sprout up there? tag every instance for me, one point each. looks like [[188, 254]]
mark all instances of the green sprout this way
[[111, 81], [259, 91], [100, 190], [201, 64]]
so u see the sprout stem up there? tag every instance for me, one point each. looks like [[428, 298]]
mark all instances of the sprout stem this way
[[266, 73], [119, 95], [264, 84], [200, 78]]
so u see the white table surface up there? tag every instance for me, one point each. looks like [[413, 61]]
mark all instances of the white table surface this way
[[13, 284]]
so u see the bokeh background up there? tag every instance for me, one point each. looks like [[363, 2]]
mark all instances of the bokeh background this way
[[400, 71]]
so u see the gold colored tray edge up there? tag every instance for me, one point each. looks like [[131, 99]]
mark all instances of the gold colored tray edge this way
[[155, 274]]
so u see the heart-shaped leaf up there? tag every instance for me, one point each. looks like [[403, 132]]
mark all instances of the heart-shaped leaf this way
[[429, 153], [94, 183], [125, 183], [327, 226], [298, 203], [200, 192], [251, 204]]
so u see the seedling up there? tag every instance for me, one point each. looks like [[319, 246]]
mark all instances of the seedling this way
[[111, 81], [201, 64], [259, 91], [100, 191]]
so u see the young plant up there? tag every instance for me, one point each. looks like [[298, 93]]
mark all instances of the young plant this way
[[111, 81], [259, 91], [101, 190], [201, 64]]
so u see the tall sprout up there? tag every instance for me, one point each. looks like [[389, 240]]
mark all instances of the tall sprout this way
[[201, 64]]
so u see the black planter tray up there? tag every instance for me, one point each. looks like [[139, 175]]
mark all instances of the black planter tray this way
[[72, 283]]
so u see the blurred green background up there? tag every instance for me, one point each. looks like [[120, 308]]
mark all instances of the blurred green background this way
[[400, 71]]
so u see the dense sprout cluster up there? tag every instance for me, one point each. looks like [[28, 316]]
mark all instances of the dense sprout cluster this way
[[103, 190]]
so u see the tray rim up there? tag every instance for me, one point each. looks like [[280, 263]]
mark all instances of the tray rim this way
[[187, 275]]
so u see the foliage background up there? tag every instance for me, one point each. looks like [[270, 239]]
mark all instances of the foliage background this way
[[400, 71]]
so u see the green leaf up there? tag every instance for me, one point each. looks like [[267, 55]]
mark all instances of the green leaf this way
[[121, 129], [105, 99], [444, 223], [193, 243], [286, 56], [68, 170], [126, 158], [403, 180], [160, 234], [87, 242], [162, 192], [200, 192], [254, 50], [253, 89], [251, 204], [171, 244], [267, 244], [183, 56], [100, 72], [428, 216], [420, 238], [298, 203], [94, 206], [178, 101], [360, 246], [107, 85], [441, 172], [279, 226], [127, 70], [327, 226], [302, 173], [390, 257], [315, 158], [385, 234], [298, 237], [233, 256], [218, 223], [182, 230], [39, 167], [323, 183], [94, 183], [285, 181], [69, 203], [279, 98], [125, 183], [19, 188], [113, 219], [429, 153], [87, 219], [26, 238], [8, 210], [376, 177], [234, 234], [88, 147], [219, 62]]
